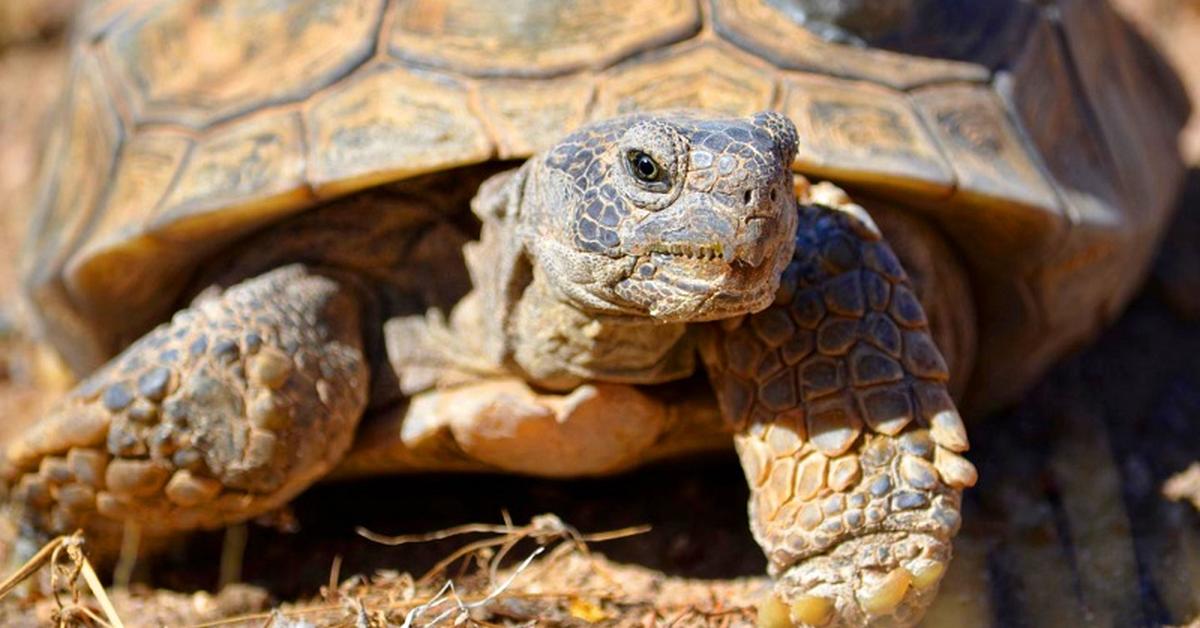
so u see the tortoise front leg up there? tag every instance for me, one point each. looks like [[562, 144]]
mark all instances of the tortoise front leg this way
[[227, 411], [848, 437]]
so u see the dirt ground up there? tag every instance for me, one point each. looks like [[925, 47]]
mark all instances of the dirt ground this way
[[1070, 525]]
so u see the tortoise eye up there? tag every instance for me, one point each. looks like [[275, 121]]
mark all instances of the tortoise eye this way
[[644, 167]]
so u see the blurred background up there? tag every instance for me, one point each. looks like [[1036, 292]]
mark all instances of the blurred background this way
[[1082, 515]]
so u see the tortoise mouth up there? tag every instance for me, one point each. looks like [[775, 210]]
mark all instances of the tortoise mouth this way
[[705, 279], [697, 284], [713, 251], [708, 274]]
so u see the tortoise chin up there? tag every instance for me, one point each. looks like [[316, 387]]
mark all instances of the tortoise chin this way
[[670, 304]]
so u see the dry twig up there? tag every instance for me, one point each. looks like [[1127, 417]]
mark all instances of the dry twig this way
[[67, 563]]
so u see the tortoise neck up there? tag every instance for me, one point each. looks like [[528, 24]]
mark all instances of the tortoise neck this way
[[558, 346]]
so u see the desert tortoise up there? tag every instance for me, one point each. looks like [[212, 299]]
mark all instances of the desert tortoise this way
[[281, 187]]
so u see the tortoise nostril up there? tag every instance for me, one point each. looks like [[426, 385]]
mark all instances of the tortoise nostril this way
[[748, 196], [774, 195]]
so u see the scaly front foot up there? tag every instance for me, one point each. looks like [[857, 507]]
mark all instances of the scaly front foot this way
[[847, 434]]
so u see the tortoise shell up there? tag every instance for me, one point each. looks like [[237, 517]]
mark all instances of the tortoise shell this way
[[1048, 159]]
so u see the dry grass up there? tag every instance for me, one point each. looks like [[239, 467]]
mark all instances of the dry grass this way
[[67, 563], [511, 575]]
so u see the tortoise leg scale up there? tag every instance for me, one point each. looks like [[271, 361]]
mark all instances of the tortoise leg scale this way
[[848, 437], [225, 412]]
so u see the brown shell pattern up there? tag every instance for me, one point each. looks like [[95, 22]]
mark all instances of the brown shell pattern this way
[[191, 123]]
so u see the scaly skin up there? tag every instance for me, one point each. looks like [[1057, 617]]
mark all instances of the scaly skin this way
[[225, 412], [836, 391], [616, 258], [846, 431]]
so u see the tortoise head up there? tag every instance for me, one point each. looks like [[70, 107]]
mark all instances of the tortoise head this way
[[676, 216]]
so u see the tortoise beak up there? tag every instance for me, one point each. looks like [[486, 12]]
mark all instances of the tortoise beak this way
[[706, 227]]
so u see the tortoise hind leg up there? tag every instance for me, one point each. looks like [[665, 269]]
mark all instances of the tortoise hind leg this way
[[228, 410]]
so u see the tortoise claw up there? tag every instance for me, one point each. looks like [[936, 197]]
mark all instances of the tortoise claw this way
[[876, 580]]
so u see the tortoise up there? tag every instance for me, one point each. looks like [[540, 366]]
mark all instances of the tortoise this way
[[253, 243]]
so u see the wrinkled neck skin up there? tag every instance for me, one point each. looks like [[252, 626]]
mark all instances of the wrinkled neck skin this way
[[528, 326], [561, 340], [558, 346]]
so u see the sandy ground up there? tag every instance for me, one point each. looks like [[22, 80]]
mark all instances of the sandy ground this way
[[1043, 543]]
